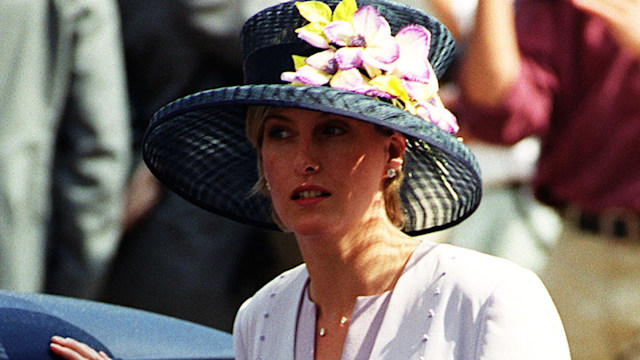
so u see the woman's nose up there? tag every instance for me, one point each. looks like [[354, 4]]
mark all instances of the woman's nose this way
[[305, 162]]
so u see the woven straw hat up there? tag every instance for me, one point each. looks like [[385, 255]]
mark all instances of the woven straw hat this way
[[197, 145]]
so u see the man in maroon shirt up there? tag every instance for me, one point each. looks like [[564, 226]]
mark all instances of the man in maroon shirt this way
[[568, 71]]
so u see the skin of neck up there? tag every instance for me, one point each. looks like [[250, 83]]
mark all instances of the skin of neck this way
[[363, 260]]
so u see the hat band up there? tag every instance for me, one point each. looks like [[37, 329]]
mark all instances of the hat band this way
[[264, 65]]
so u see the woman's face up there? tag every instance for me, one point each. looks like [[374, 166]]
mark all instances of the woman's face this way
[[325, 171]]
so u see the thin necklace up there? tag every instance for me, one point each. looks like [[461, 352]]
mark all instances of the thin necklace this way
[[323, 331]]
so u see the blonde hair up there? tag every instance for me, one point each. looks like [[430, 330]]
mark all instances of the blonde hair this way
[[256, 116]]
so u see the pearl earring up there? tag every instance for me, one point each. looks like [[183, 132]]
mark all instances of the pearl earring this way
[[391, 173]]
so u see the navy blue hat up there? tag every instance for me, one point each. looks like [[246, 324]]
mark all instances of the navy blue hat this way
[[197, 145]]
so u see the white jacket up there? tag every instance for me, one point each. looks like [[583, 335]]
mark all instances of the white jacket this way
[[450, 303]]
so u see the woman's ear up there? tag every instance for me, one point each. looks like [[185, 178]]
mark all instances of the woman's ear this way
[[397, 146]]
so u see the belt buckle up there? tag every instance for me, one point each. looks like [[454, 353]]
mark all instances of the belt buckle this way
[[631, 222]]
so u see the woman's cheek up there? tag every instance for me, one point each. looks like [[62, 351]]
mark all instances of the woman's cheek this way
[[274, 174], [267, 167]]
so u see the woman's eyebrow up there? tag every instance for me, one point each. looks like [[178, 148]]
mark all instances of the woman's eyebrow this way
[[278, 117], [338, 117]]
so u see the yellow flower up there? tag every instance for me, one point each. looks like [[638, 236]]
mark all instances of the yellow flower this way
[[319, 15]]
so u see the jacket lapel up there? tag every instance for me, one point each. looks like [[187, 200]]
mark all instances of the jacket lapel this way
[[281, 338], [406, 322]]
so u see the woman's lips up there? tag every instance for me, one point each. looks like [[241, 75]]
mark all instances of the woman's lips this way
[[307, 195]]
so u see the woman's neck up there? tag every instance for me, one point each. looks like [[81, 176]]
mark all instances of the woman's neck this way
[[366, 261]]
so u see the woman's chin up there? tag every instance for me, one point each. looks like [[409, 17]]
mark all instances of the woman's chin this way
[[312, 227], [314, 230]]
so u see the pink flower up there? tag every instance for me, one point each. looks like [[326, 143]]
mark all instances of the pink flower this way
[[362, 56], [414, 42], [367, 39], [435, 112], [307, 75], [317, 71]]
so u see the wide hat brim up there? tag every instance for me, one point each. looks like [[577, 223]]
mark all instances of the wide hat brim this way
[[198, 148]]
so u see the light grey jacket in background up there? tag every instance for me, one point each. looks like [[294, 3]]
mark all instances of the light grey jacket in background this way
[[452, 303], [61, 73]]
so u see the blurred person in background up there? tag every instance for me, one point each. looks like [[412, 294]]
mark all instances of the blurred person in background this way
[[509, 222], [64, 144], [176, 258], [568, 71]]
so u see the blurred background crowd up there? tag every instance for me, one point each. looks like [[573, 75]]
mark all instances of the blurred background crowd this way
[[546, 91]]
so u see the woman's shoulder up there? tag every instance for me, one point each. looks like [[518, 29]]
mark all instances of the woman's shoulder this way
[[282, 286], [475, 273], [491, 305], [470, 259]]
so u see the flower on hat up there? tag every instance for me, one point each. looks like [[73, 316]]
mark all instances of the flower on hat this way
[[359, 54]]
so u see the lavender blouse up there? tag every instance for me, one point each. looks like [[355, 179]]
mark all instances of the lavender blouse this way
[[364, 325]]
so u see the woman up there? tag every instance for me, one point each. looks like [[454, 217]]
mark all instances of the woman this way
[[354, 158]]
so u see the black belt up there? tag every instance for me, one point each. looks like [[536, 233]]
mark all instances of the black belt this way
[[623, 225]]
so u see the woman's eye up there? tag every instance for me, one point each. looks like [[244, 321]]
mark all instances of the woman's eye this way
[[334, 130], [277, 133]]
